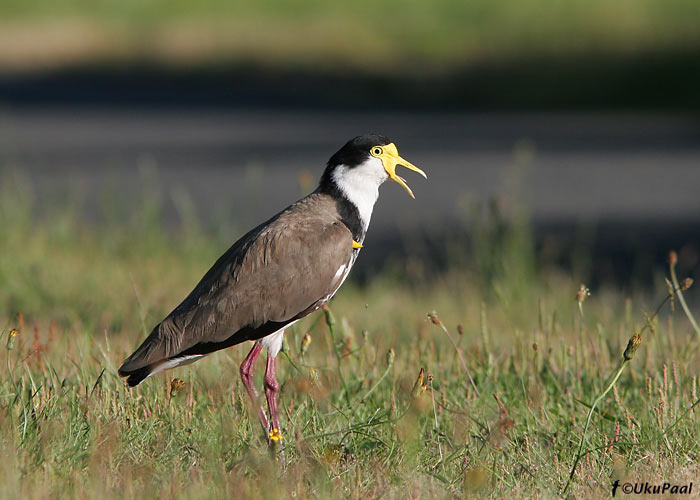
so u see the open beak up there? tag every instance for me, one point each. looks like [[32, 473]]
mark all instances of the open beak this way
[[390, 159]]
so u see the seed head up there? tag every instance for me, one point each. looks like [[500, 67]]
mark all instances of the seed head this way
[[418, 387], [330, 318], [672, 258], [433, 317], [632, 346], [390, 355], [11, 339], [671, 290], [582, 293], [176, 385], [499, 432], [305, 343], [686, 283]]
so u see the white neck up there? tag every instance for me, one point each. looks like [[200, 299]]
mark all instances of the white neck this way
[[360, 185]]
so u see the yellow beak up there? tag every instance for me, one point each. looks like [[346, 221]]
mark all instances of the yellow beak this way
[[390, 159]]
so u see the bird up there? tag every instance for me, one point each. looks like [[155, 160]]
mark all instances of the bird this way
[[275, 274]]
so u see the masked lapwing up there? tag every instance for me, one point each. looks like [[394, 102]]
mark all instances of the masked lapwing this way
[[276, 274]]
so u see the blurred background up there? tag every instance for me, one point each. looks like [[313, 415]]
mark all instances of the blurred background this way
[[561, 138], [561, 134]]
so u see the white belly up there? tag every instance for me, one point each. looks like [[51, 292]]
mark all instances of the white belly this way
[[273, 342]]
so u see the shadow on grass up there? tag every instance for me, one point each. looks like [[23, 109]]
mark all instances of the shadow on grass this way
[[656, 80]]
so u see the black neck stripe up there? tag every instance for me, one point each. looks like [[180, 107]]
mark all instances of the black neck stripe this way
[[349, 214]]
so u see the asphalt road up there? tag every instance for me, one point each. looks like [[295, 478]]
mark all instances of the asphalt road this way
[[635, 177]]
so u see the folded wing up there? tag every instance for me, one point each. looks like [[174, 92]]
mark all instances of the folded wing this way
[[275, 274]]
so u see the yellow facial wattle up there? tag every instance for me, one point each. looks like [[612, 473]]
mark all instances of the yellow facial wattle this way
[[390, 159]]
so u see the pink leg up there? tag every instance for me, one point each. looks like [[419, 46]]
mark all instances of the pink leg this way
[[247, 377], [272, 387]]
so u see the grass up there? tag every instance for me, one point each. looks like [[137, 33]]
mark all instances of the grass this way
[[384, 407], [361, 35]]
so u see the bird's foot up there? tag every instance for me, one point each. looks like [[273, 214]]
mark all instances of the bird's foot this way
[[275, 441]]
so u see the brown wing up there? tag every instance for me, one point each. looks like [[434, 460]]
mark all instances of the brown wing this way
[[275, 274]]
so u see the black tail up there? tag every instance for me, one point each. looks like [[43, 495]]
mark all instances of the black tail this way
[[137, 376], [143, 360]]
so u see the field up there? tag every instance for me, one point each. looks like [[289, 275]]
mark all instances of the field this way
[[512, 354], [338, 36]]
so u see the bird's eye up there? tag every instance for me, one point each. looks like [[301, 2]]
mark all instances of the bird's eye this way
[[376, 151]]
